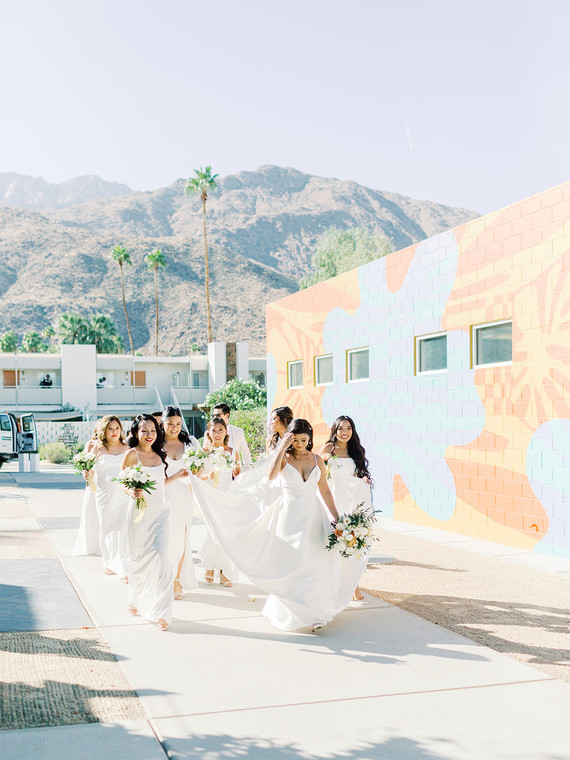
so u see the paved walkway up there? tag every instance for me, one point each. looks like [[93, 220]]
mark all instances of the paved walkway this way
[[378, 682]]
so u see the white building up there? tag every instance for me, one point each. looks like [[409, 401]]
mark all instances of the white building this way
[[79, 383]]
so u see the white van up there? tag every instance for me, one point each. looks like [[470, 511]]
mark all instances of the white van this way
[[17, 437]]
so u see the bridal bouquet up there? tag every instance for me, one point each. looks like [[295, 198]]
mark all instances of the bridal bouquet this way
[[352, 534], [220, 459], [195, 460], [83, 462], [137, 477], [333, 467]]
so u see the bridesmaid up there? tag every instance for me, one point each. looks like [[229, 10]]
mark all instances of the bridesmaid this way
[[281, 418], [212, 556], [180, 500], [150, 565], [109, 498], [88, 539], [350, 479]]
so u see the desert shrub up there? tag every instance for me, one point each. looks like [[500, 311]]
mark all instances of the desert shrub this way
[[56, 452], [238, 394]]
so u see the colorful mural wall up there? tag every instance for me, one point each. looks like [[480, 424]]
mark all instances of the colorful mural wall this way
[[479, 450]]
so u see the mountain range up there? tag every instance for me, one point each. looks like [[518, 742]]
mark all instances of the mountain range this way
[[263, 225]]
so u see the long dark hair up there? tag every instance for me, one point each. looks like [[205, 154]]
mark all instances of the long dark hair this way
[[174, 411], [157, 444], [210, 425], [285, 416], [355, 449], [300, 427]]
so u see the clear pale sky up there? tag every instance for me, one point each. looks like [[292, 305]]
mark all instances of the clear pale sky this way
[[464, 103]]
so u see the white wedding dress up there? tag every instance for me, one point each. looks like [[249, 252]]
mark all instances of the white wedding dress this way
[[88, 536], [213, 556], [181, 504], [151, 571], [280, 546], [112, 504]]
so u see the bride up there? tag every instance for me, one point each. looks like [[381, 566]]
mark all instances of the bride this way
[[281, 546]]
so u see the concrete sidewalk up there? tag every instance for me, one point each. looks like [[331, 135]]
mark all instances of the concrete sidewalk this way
[[221, 683]]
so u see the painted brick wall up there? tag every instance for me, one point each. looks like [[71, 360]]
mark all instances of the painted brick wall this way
[[484, 452]]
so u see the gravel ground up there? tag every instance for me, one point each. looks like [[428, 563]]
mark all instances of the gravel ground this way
[[517, 610]]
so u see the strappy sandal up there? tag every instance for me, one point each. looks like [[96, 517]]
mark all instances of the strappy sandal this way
[[178, 590], [133, 610], [225, 581], [358, 596], [209, 577], [162, 625]]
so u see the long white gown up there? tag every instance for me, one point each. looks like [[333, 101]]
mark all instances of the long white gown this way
[[151, 572], [112, 504], [88, 539], [181, 503], [280, 546], [213, 555]]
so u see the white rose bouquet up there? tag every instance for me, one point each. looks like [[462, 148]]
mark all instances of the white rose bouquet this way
[[195, 460], [333, 467], [220, 459], [352, 534], [137, 477], [84, 462]]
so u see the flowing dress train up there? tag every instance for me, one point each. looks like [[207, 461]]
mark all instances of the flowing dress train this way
[[280, 546], [88, 536]]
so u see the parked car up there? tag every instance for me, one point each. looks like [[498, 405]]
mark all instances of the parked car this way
[[17, 436]]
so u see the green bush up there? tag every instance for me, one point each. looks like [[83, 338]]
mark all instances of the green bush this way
[[56, 452], [75, 448], [238, 394], [253, 423]]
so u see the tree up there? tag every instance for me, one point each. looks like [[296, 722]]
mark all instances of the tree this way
[[339, 251], [33, 342], [72, 328], [121, 256], [156, 259], [8, 342], [201, 183], [104, 334], [238, 394]]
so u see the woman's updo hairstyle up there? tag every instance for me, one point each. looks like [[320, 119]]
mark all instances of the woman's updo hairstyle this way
[[301, 427], [174, 411]]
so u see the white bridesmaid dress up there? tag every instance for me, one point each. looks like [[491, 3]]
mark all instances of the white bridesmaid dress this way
[[88, 536], [280, 546], [213, 555], [112, 505], [348, 490], [151, 571], [181, 504]]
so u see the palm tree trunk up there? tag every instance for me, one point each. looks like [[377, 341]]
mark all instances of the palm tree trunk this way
[[207, 277], [125, 308], [156, 302]]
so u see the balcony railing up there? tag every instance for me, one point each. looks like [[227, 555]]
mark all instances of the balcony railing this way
[[30, 396], [125, 396], [187, 396]]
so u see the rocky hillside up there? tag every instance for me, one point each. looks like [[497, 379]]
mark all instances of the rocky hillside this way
[[20, 191], [263, 226]]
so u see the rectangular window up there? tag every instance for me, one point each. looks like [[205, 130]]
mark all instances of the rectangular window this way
[[323, 370], [295, 374], [431, 353], [493, 343], [357, 364]]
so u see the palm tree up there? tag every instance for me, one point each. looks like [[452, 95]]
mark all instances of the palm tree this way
[[154, 260], [121, 256], [104, 333], [201, 183], [33, 343], [71, 328], [9, 342]]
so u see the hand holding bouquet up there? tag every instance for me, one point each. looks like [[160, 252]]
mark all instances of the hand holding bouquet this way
[[84, 463], [195, 460], [136, 478], [352, 534]]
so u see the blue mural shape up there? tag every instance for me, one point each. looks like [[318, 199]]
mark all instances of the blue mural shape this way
[[548, 471], [406, 420]]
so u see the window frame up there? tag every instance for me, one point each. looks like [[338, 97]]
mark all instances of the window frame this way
[[417, 340], [350, 351], [479, 326], [289, 386], [316, 364]]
